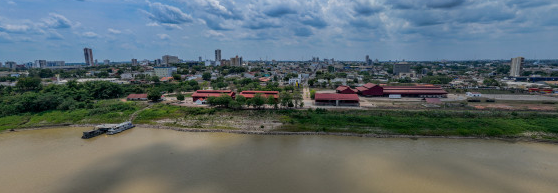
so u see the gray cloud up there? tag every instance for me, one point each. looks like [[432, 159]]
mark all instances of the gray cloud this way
[[302, 31], [366, 8], [529, 3], [261, 23], [314, 21], [280, 10], [443, 4], [168, 14], [5, 38], [436, 4]]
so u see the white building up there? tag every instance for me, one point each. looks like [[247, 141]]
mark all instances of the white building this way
[[39, 64], [144, 62], [473, 94], [106, 62], [164, 71], [295, 81]]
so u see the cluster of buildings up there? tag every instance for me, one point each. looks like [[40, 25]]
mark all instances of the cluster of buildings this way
[[201, 96], [374, 90], [347, 96]]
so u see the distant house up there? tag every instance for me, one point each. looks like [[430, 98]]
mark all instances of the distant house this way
[[137, 97], [166, 79], [249, 74], [200, 101], [202, 95], [345, 90], [264, 79]]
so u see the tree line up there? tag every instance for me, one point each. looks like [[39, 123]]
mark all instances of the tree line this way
[[284, 100]]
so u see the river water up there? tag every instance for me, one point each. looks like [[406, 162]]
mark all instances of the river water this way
[[151, 160]]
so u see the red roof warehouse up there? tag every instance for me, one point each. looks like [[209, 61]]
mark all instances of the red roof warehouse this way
[[250, 94], [416, 91], [137, 97], [345, 90], [204, 94], [370, 89], [336, 99], [423, 91]]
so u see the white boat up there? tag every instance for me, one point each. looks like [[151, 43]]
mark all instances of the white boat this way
[[120, 127]]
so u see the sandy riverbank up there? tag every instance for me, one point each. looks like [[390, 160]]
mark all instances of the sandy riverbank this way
[[250, 132]]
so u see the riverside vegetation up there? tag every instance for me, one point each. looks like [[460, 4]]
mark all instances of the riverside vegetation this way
[[32, 105], [389, 122]]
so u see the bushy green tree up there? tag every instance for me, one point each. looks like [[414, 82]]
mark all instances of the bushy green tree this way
[[271, 101], [154, 95], [258, 101], [180, 96], [206, 76], [28, 83]]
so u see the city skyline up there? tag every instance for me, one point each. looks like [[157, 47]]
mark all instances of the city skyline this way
[[286, 30]]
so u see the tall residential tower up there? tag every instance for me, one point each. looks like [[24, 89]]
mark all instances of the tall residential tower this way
[[217, 55], [516, 65], [88, 53]]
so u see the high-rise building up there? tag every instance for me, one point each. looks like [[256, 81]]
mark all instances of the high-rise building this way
[[402, 67], [144, 62], [11, 65], [40, 63], [134, 61], [200, 59], [88, 53], [217, 55], [516, 66], [106, 62], [167, 59], [236, 61], [368, 61], [55, 63], [1, 64]]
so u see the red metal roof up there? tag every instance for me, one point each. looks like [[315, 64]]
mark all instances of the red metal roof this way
[[250, 94], [343, 87], [414, 91], [412, 87], [334, 96], [360, 88], [212, 93], [369, 85], [137, 96]]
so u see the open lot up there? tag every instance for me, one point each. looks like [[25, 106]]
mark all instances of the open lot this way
[[514, 97]]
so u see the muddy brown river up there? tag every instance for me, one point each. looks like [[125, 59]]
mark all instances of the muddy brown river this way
[[151, 160]]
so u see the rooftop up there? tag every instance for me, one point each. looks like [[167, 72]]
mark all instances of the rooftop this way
[[334, 96]]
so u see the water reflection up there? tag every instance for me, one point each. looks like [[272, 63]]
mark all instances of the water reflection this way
[[149, 160]]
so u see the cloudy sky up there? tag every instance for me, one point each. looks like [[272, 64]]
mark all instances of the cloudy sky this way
[[278, 29]]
